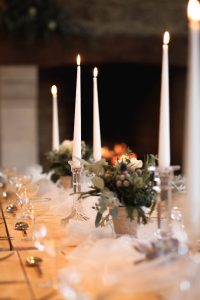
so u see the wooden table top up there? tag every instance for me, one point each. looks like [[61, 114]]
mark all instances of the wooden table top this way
[[17, 280], [21, 282]]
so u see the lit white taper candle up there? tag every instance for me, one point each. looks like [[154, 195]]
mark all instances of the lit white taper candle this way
[[96, 121], [77, 118], [192, 132], [55, 125], [164, 126]]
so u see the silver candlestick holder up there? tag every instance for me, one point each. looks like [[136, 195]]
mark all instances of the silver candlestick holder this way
[[163, 178], [77, 208]]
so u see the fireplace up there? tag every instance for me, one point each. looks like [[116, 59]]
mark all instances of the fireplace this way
[[129, 99]]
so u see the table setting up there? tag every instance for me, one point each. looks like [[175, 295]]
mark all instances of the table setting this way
[[88, 226]]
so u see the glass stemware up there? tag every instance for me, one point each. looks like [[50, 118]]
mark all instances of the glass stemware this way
[[164, 178], [18, 182], [5, 175], [25, 194]]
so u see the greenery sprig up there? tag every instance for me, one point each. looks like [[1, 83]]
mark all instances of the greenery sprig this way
[[57, 161]]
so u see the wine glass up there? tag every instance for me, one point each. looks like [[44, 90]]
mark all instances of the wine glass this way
[[5, 175], [25, 194], [19, 182]]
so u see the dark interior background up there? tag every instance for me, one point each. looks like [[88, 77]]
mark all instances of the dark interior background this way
[[124, 40], [129, 100]]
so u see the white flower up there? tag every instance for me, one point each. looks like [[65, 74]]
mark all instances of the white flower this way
[[134, 164], [66, 145]]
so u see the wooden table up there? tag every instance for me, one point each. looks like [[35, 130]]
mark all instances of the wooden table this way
[[21, 282], [17, 280]]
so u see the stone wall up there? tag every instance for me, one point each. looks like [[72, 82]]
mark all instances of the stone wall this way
[[109, 31], [128, 17], [18, 116]]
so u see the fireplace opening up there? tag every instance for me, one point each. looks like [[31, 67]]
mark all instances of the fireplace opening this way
[[129, 103]]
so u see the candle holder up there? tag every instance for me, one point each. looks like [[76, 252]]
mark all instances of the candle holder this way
[[76, 178], [163, 178], [77, 209]]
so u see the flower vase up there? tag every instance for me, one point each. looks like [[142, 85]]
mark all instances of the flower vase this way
[[123, 224], [66, 182]]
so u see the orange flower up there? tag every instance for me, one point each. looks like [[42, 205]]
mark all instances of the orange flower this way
[[120, 149]]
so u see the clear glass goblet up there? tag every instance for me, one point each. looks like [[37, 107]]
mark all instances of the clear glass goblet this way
[[25, 195]]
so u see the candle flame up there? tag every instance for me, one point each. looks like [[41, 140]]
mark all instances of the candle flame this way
[[78, 60], [193, 10], [54, 90], [95, 72], [166, 38]]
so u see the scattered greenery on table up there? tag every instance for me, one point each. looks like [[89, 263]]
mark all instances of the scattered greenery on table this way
[[128, 183]]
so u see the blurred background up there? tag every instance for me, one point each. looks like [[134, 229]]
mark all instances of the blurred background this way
[[123, 39]]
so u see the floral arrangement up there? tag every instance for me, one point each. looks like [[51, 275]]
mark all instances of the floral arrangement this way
[[32, 19], [57, 161], [129, 182], [112, 155]]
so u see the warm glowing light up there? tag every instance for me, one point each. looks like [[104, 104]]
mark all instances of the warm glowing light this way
[[106, 152], [95, 72], [78, 60], [120, 149], [193, 10], [54, 90], [166, 38]]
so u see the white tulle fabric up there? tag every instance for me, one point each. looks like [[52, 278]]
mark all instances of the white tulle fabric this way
[[103, 267]]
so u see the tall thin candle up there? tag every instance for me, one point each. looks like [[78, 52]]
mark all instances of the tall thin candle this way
[[192, 134], [164, 126], [55, 125], [96, 122], [76, 155]]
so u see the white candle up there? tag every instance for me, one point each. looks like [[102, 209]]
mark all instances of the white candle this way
[[77, 119], [164, 126], [192, 134], [96, 122], [55, 125]]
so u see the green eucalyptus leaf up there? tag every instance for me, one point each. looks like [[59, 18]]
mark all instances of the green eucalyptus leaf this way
[[98, 182], [97, 167], [114, 212], [98, 219]]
